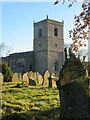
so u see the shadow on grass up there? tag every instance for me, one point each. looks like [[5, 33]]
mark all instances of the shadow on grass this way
[[19, 85], [35, 115], [53, 114]]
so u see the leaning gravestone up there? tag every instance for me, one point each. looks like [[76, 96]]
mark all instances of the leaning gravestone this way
[[73, 90], [25, 79], [46, 76], [15, 78], [1, 78]]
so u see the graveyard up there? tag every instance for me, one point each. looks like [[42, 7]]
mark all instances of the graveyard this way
[[50, 81], [31, 96], [29, 102]]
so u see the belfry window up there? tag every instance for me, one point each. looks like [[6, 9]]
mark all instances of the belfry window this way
[[40, 32], [55, 45], [55, 32]]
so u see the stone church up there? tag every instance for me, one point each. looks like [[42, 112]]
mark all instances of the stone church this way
[[48, 53]]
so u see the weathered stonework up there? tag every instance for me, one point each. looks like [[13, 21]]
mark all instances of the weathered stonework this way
[[48, 51], [48, 48]]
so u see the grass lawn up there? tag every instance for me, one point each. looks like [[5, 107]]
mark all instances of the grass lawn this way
[[29, 102]]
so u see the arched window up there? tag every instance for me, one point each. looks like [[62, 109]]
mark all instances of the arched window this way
[[56, 66], [55, 32]]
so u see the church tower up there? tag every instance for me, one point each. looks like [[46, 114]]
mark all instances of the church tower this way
[[48, 46]]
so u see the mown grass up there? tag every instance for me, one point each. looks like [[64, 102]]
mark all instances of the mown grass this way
[[29, 102]]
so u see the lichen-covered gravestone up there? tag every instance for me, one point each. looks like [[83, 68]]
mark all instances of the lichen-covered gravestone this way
[[15, 78], [25, 79], [40, 79], [32, 78], [46, 76], [35, 76], [1, 78], [32, 75], [73, 89]]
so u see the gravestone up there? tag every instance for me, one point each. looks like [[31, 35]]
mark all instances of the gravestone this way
[[15, 78], [35, 76], [46, 76], [54, 79], [20, 76], [1, 78], [73, 90], [54, 83], [32, 75], [75, 102], [40, 79], [25, 79]]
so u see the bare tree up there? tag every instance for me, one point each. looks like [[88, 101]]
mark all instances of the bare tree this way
[[4, 50]]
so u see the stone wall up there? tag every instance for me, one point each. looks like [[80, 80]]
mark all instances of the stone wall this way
[[20, 62], [40, 61]]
